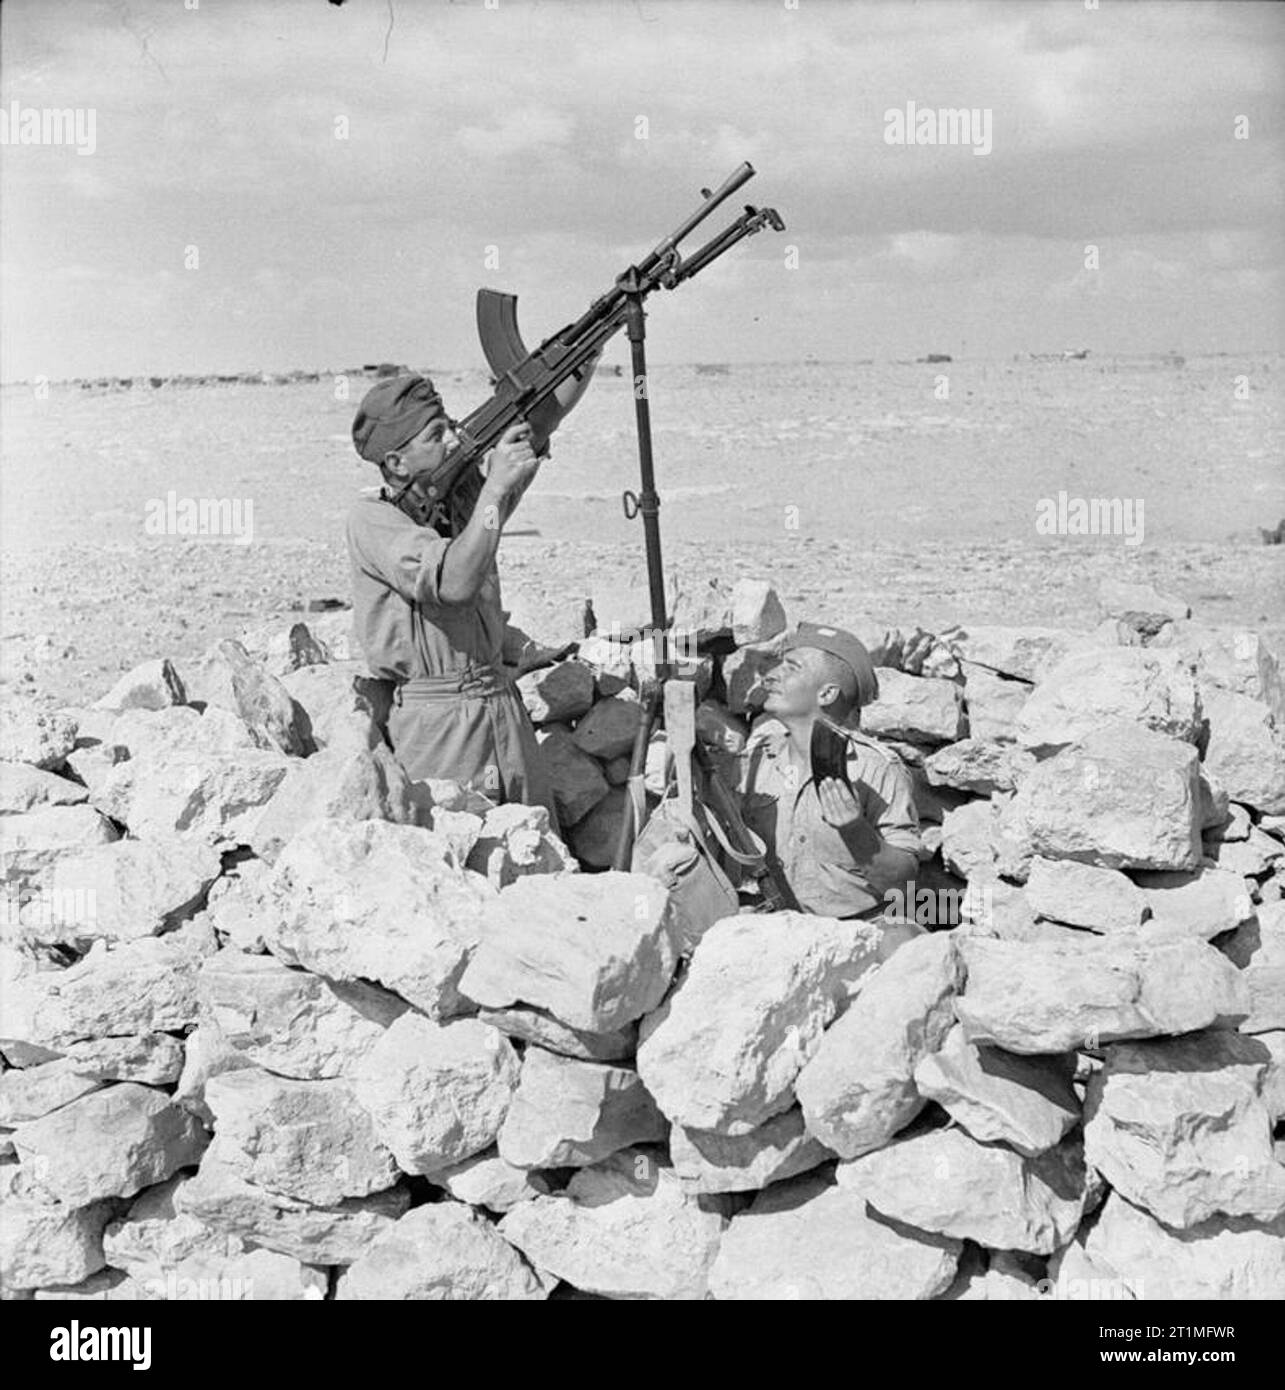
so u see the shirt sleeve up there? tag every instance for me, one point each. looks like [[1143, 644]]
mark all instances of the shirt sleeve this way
[[889, 801], [389, 546]]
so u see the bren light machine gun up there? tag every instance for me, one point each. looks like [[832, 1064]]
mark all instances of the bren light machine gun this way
[[541, 387]]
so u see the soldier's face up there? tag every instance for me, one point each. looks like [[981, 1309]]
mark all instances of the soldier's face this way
[[792, 686], [426, 453]]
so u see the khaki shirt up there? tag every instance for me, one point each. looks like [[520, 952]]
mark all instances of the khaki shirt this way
[[405, 630], [780, 803]]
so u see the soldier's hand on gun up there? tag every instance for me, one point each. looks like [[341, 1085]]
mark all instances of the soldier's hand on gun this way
[[839, 805], [512, 464]]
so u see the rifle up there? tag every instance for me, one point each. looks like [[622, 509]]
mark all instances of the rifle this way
[[541, 387]]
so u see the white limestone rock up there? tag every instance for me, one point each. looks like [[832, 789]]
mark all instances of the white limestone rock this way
[[1123, 797], [723, 1052], [110, 1143], [144, 986], [206, 1053], [779, 1148], [595, 951], [152, 685], [1179, 1126], [444, 1251], [1221, 1259], [336, 784], [1140, 604], [1083, 895], [967, 833], [385, 903], [32, 843], [1246, 751], [945, 1182], [25, 788], [1200, 903], [437, 1093], [228, 676], [122, 891], [858, 1089], [341, 709], [978, 766], [44, 1242], [992, 703], [240, 905], [155, 1059], [808, 1239], [539, 1027], [625, 1228], [1042, 997], [568, 1113], [334, 1234], [746, 610], [915, 709], [28, 1093], [1155, 689], [212, 797], [31, 732], [304, 1139], [292, 1022], [487, 1180], [1027, 653], [1251, 857], [1229, 658], [1026, 1103], [1258, 948]]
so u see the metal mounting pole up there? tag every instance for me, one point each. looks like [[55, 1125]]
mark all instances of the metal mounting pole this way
[[644, 503], [647, 501]]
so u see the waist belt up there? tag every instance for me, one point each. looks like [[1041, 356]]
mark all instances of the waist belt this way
[[478, 679]]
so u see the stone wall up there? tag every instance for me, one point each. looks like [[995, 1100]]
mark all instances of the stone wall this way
[[278, 1023]]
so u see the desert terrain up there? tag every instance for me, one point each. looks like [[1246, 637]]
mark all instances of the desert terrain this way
[[853, 486]]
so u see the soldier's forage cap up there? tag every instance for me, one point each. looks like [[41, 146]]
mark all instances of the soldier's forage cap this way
[[392, 413], [846, 647]]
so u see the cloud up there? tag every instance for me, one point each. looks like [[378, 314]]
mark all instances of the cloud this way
[[279, 140], [523, 131]]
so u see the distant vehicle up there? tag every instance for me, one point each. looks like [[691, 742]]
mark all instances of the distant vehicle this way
[[936, 357]]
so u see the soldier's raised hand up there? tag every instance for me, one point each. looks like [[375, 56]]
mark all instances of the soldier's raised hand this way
[[839, 805], [512, 464]]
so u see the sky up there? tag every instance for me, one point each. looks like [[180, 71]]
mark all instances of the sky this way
[[304, 185]]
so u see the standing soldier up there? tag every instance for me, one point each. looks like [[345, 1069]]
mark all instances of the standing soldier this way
[[427, 607]]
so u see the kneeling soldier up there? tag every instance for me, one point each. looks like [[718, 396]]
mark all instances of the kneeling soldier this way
[[843, 846]]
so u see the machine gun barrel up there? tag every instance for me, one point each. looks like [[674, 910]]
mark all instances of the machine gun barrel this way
[[541, 386], [736, 179]]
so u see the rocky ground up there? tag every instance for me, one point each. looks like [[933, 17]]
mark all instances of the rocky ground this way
[[277, 1023]]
